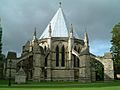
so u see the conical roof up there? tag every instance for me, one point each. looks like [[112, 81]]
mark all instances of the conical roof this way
[[58, 26]]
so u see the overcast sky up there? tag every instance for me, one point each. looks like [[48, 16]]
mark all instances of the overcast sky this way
[[19, 17]]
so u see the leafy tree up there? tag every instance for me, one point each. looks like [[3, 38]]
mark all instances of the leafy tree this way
[[1, 56], [116, 44]]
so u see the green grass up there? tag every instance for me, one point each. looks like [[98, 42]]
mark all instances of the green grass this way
[[106, 88], [112, 85]]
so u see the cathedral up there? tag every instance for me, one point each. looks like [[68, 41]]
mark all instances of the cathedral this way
[[59, 55]]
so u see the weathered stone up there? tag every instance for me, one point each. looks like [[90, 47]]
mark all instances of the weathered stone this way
[[108, 55], [20, 76]]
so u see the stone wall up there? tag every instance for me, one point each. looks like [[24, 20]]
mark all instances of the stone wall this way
[[107, 62], [13, 68], [85, 69], [63, 75]]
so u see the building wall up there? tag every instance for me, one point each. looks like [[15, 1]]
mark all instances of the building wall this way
[[33, 62], [69, 72], [62, 75], [13, 68], [64, 72]]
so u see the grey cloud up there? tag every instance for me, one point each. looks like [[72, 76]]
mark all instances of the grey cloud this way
[[19, 17]]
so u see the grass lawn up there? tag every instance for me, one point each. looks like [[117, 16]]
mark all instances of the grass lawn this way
[[105, 88], [112, 85]]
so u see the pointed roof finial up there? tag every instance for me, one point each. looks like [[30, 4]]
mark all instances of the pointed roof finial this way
[[71, 28], [50, 28], [35, 32], [60, 4], [86, 39]]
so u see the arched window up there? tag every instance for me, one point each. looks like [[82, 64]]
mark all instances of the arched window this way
[[45, 48], [57, 56], [74, 57], [78, 61], [63, 56], [46, 59]]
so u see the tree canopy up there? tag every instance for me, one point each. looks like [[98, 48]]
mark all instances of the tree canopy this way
[[116, 44]]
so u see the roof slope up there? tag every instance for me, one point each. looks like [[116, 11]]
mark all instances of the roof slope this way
[[58, 26]]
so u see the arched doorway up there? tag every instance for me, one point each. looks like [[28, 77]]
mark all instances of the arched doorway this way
[[27, 65], [98, 70]]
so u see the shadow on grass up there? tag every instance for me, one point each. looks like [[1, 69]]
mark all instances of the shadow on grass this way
[[61, 84]]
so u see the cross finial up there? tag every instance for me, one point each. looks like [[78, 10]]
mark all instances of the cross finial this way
[[60, 4]]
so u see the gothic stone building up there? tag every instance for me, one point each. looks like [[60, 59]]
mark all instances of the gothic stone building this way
[[59, 55]]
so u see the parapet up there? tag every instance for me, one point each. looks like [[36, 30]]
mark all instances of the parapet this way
[[11, 55], [108, 55]]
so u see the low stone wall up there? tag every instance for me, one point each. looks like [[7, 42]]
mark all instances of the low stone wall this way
[[62, 75]]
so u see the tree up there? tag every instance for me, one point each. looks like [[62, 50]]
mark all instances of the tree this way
[[115, 49], [0, 41], [1, 55]]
